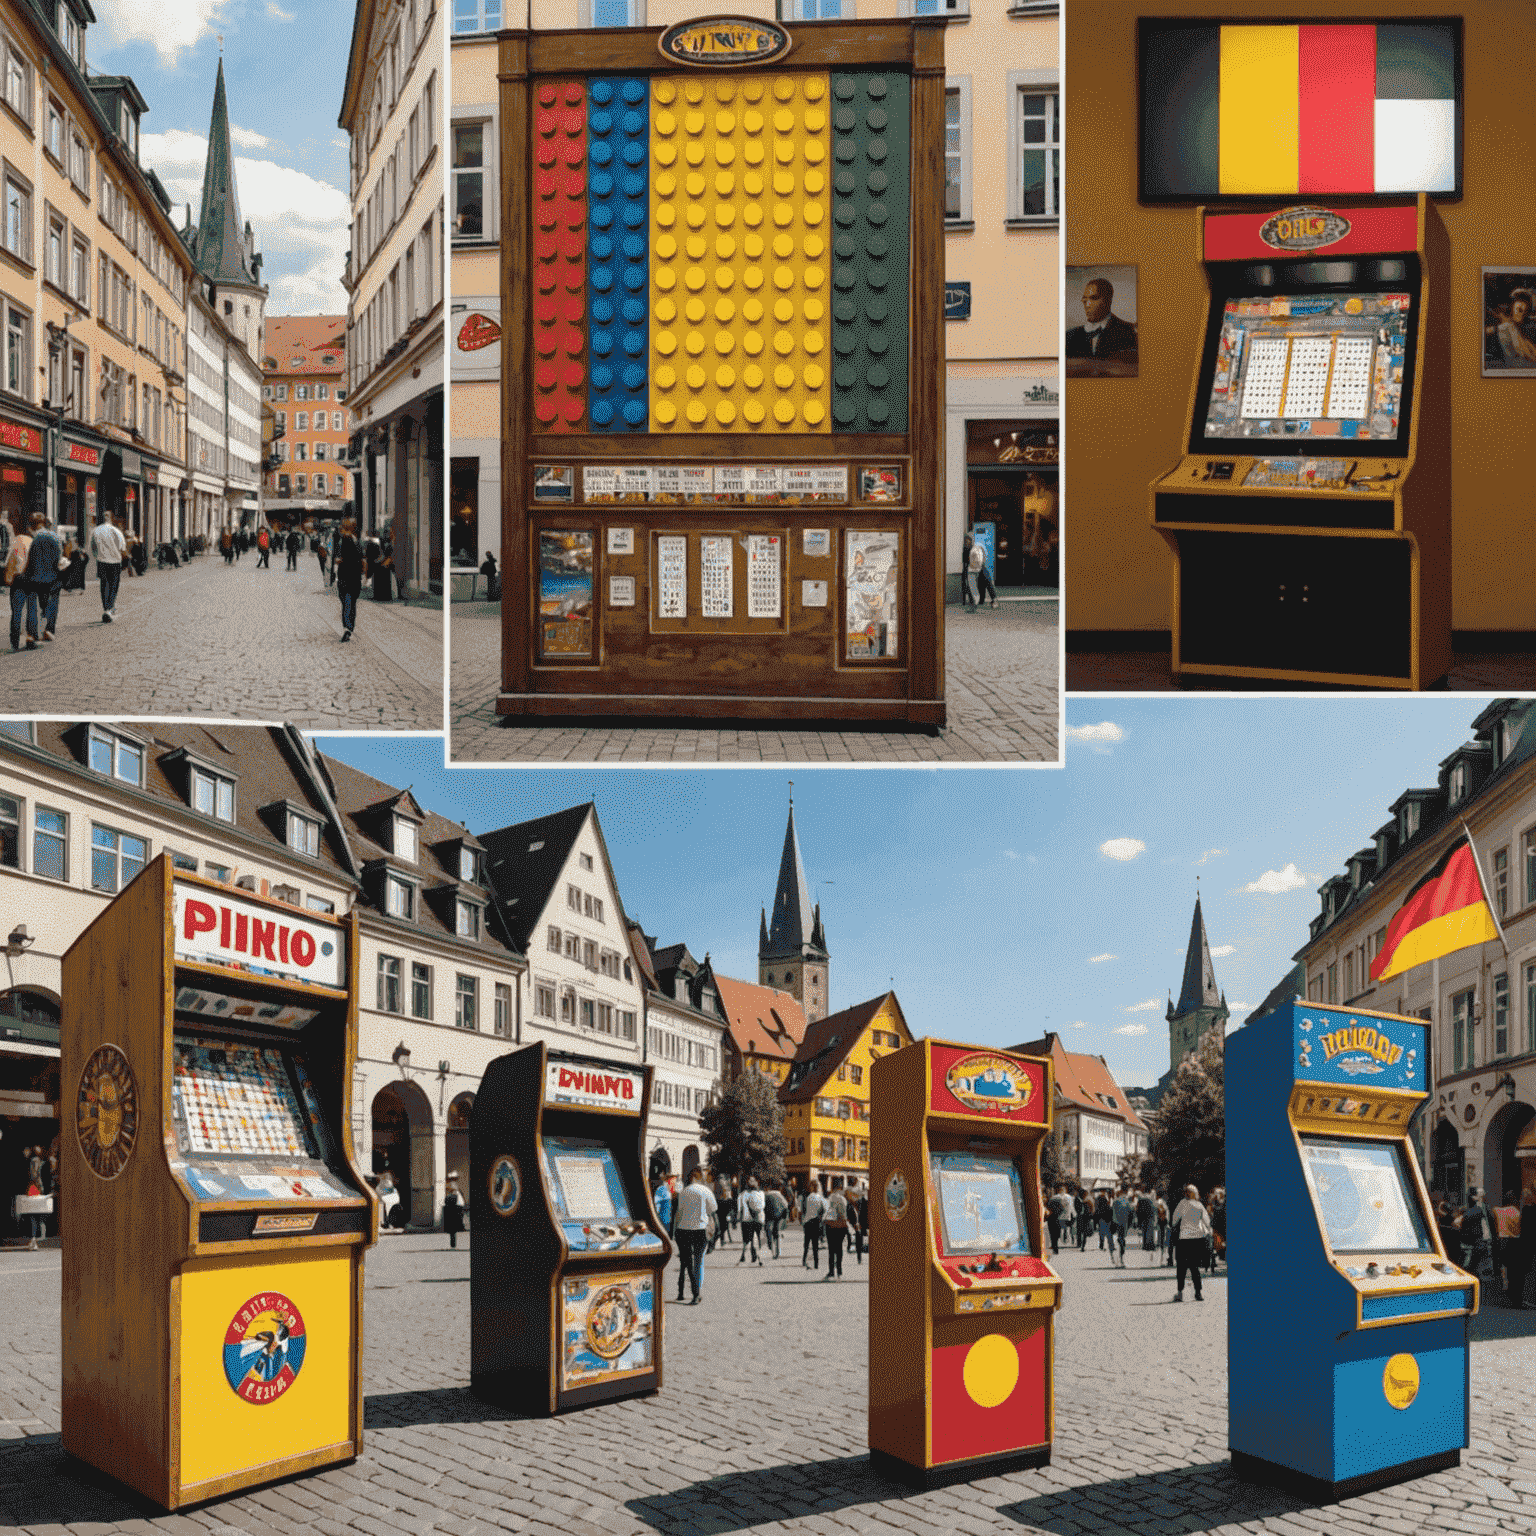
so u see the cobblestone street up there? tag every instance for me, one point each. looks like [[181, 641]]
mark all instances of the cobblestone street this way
[[1002, 691], [761, 1425], [234, 642]]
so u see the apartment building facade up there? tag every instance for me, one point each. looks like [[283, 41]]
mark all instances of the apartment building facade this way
[[396, 304], [305, 386]]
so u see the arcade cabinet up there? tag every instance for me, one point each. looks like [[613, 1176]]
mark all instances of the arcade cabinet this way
[[565, 1279], [1347, 1325], [961, 1298], [723, 346], [1309, 517], [213, 1256]]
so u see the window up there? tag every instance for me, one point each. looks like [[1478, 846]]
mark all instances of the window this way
[[115, 858], [469, 868], [301, 392], [282, 391], [182, 861], [289, 893], [1501, 881], [936, 8], [828, 1147], [114, 757], [469, 174], [421, 990], [53, 139], [18, 351], [856, 1073], [18, 217], [219, 872], [1530, 1008], [1034, 152], [405, 839], [467, 920], [399, 898], [502, 1023], [80, 163], [957, 150], [10, 832], [586, 860], [1501, 1014], [1528, 846], [1463, 1047], [18, 84], [588, 1019], [1333, 983], [544, 1000], [594, 908], [573, 896], [605, 1018], [303, 835], [554, 940], [572, 947], [476, 15], [816, 10], [301, 421], [589, 955], [319, 904], [465, 1002], [213, 795], [567, 1005], [53, 249], [389, 984], [627, 1024]]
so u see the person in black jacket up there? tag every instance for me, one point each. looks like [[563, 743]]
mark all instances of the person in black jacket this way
[[349, 576], [1522, 1250]]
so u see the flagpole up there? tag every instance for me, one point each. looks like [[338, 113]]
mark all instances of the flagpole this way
[[1493, 910], [1429, 1058]]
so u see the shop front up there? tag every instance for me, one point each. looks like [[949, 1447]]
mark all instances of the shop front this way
[[123, 488], [22, 463], [78, 468], [29, 1101], [1012, 503]]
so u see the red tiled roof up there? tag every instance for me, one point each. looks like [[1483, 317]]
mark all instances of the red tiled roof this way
[[826, 1046], [763, 1021], [1083, 1080], [301, 343]]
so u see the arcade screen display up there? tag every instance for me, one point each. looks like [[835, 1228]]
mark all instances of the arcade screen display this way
[[1366, 1197], [237, 1100], [980, 1201], [1305, 371], [584, 1180]]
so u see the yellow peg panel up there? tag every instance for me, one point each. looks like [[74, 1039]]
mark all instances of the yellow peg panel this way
[[741, 208]]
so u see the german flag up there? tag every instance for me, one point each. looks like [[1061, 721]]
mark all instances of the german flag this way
[[1446, 911]]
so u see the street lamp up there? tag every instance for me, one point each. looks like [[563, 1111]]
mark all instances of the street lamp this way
[[401, 1056]]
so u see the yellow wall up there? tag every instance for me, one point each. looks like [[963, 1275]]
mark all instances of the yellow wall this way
[[1121, 433]]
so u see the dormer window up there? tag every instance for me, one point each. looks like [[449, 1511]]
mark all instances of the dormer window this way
[[303, 834], [213, 795], [469, 865], [405, 839], [1458, 783], [586, 860], [115, 757], [128, 126], [1410, 819], [399, 897], [466, 921]]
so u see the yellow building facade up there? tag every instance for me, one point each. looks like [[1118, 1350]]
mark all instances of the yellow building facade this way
[[826, 1093], [94, 281]]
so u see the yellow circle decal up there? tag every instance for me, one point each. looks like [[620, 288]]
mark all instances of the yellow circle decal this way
[[991, 1370], [1400, 1380]]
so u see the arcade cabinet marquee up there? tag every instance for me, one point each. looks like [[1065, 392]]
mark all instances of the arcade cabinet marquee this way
[[723, 355]]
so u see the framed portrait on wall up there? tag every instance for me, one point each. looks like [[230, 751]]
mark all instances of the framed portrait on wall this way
[[1509, 322], [1102, 341]]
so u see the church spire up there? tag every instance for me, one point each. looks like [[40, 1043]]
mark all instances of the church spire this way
[[221, 251], [791, 927], [1199, 988]]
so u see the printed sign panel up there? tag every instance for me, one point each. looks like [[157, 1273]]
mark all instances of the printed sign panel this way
[[1333, 1045], [595, 1087], [987, 1083], [606, 1327], [215, 929]]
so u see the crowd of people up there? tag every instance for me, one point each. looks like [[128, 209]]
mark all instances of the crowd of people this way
[[701, 1216], [1496, 1243]]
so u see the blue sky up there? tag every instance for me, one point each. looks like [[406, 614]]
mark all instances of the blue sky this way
[[1006, 903], [284, 68]]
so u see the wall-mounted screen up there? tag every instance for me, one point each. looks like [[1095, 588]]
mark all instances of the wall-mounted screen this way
[[1365, 1195], [584, 1181], [1251, 109], [980, 1202]]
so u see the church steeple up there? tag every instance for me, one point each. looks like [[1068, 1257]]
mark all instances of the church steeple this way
[[221, 250], [792, 947], [1201, 1005]]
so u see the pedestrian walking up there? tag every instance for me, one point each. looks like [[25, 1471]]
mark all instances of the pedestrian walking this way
[[263, 549], [812, 1209], [15, 579], [1192, 1224], [322, 554], [858, 1209], [1103, 1216], [1120, 1217], [109, 547], [1218, 1226], [966, 590], [389, 1202], [836, 1223], [1146, 1218], [32, 1187], [349, 576], [661, 1198], [1056, 1216], [227, 546], [492, 578], [773, 1222], [453, 1211], [42, 579], [384, 571], [983, 580], [695, 1208], [295, 544], [752, 1208], [1476, 1227]]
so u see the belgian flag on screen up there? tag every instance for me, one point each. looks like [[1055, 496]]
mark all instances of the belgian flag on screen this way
[[1330, 108], [1446, 911]]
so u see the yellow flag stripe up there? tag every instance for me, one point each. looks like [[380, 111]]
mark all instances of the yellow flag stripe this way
[[1442, 936], [1260, 109]]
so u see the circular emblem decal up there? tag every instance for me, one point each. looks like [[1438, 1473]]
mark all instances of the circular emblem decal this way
[[264, 1348], [505, 1184], [1304, 229], [987, 1082], [1400, 1380], [611, 1322], [724, 42], [897, 1195], [107, 1111]]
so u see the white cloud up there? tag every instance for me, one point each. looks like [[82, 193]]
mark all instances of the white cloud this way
[[1223, 949], [248, 138], [1100, 737], [1008, 853], [1100, 959], [1209, 854], [1151, 1003], [1080, 1024], [277, 13], [1130, 1029], [166, 28], [1123, 848], [1275, 882], [1239, 1007]]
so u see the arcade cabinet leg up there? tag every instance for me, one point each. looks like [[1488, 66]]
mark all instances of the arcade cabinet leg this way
[[1318, 1490], [923, 1478]]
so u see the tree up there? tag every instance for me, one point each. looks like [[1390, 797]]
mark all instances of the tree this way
[[1189, 1141], [1050, 1166], [744, 1130]]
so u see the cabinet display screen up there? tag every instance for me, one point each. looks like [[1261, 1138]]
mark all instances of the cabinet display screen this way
[[1315, 368], [584, 1180], [1364, 1193], [980, 1203], [238, 1100]]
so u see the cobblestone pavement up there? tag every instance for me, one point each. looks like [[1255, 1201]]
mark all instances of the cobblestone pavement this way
[[1002, 687], [761, 1425], [233, 642]]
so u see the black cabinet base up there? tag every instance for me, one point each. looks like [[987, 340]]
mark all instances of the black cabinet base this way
[[922, 1478], [1255, 1469]]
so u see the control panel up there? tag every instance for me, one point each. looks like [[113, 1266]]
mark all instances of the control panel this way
[[1366, 477]]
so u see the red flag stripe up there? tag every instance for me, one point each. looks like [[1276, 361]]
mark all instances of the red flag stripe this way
[[1337, 138], [1452, 885]]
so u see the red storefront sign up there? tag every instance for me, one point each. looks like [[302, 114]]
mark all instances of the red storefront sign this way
[[79, 453], [19, 438]]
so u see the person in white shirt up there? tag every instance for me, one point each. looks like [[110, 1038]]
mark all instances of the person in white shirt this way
[[1192, 1222], [751, 1209], [812, 1209], [108, 548], [695, 1206]]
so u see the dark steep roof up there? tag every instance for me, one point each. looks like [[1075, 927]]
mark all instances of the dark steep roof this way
[[826, 1046], [796, 924], [219, 248], [523, 863], [1199, 986]]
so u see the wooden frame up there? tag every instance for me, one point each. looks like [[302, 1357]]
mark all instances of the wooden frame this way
[[794, 668]]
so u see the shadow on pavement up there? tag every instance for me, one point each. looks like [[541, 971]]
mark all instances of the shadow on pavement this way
[[41, 1486], [745, 1500], [433, 1405], [1200, 1498], [1496, 1319]]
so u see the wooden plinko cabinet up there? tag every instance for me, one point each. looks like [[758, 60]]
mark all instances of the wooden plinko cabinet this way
[[213, 1255], [723, 356], [566, 1292], [1310, 514], [962, 1280]]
